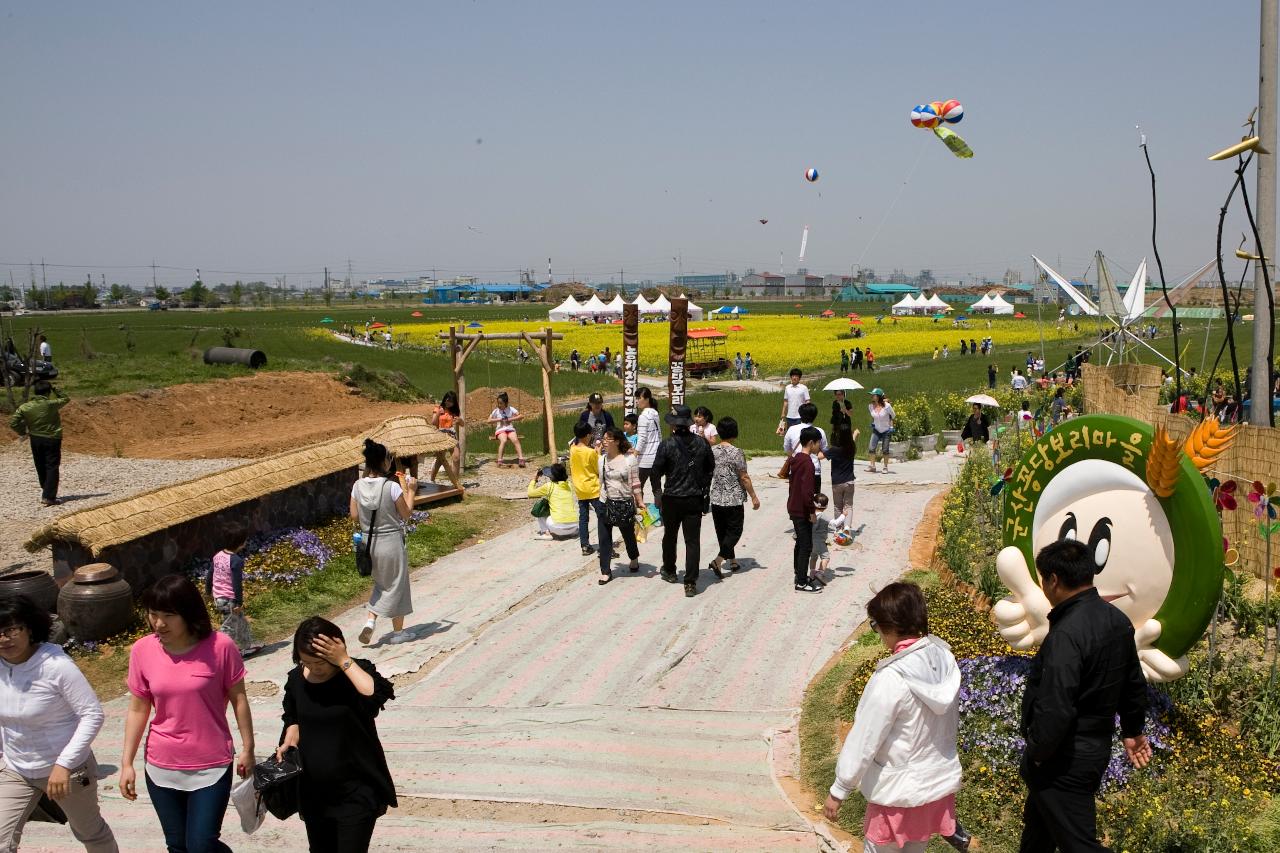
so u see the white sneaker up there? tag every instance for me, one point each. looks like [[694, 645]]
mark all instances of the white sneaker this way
[[397, 637]]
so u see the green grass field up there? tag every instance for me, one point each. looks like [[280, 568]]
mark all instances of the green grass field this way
[[109, 352]]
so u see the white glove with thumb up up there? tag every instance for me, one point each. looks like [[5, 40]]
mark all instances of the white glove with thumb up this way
[[1022, 617]]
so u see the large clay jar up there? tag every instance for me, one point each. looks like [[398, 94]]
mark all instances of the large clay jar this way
[[97, 604], [36, 585]]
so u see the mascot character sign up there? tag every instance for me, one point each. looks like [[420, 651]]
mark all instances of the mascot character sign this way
[[1138, 500]]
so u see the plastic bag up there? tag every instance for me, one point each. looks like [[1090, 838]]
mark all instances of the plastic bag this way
[[249, 805]]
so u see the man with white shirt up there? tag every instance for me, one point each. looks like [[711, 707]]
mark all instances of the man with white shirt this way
[[791, 441], [794, 395], [1019, 381], [46, 351]]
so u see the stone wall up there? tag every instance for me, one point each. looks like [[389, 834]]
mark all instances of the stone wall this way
[[144, 560], [1133, 390]]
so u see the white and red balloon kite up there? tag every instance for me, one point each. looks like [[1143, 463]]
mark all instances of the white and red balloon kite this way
[[934, 116]]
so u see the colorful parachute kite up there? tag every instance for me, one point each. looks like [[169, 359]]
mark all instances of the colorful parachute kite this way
[[811, 175], [934, 115]]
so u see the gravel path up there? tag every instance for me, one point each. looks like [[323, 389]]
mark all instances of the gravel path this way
[[85, 481]]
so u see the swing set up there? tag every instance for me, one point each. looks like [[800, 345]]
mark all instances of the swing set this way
[[462, 344]]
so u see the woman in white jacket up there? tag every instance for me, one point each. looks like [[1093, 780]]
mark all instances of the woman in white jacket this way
[[49, 716], [901, 753]]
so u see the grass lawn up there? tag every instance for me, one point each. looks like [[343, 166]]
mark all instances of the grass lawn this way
[[276, 611]]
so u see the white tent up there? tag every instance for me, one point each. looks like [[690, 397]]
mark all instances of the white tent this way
[[983, 305], [905, 305], [566, 310], [594, 306], [615, 307], [998, 305], [934, 303], [642, 304], [695, 311], [661, 305]]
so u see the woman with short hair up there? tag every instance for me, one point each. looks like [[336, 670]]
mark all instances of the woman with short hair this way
[[378, 492], [187, 673], [49, 716], [330, 703], [901, 753], [730, 488]]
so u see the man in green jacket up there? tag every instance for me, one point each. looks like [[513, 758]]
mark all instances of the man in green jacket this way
[[40, 419]]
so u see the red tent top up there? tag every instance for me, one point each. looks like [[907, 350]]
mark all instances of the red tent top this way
[[377, 325], [852, 314], [855, 322], [828, 313], [706, 333], [1020, 316], [416, 314], [616, 322], [736, 329]]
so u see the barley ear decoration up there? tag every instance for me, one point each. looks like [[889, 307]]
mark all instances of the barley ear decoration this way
[[1163, 464], [1208, 441]]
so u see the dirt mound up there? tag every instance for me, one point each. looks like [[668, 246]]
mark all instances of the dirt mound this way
[[482, 401], [244, 417]]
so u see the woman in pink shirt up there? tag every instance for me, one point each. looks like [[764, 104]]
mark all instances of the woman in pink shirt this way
[[187, 673]]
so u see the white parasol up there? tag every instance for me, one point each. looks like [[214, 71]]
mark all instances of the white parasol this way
[[983, 400], [842, 384]]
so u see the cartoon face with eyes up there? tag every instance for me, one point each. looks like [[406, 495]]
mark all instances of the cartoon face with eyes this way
[[1157, 550], [1110, 509]]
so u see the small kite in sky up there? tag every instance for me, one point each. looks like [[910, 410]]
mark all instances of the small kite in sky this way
[[764, 222]]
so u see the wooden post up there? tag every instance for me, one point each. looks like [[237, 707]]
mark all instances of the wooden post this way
[[460, 389], [547, 364]]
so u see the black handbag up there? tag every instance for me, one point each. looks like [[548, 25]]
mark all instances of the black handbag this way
[[619, 512], [364, 551], [280, 783]]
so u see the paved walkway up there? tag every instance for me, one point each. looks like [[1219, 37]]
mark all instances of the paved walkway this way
[[633, 717]]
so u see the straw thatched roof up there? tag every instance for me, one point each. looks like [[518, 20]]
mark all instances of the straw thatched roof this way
[[149, 512]]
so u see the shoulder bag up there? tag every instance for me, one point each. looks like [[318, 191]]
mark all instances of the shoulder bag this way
[[364, 553]]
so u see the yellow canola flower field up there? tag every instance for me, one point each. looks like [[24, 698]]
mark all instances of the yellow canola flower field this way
[[776, 342]]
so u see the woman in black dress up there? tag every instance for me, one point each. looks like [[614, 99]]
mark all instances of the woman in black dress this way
[[330, 701]]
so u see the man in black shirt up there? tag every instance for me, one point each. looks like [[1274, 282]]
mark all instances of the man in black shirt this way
[[1085, 673], [685, 463]]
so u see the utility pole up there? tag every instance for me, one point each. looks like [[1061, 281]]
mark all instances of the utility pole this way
[[1264, 322], [153, 275], [326, 280]]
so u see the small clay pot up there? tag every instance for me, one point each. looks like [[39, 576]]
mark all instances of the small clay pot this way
[[37, 585], [97, 603]]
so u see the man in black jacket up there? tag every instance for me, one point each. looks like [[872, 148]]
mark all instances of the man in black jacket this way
[[684, 462], [1085, 673]]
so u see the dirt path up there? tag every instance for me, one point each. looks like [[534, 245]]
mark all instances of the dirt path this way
[[553, 712]]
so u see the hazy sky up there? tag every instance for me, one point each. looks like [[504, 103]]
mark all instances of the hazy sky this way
[[253, 139]]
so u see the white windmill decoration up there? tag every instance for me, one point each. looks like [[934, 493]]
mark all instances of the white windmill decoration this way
[[1123, 312]]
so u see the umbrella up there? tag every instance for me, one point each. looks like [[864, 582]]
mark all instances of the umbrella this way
[[327, 320], [852, 314], [828, 313], [983, 400], [855, 322], [962, 317], [416, 314], [799, 305], [473, 325], [1020, 316], [736, 329], [377, 325], [842, 384]]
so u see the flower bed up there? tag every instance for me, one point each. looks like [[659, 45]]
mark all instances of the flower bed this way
[[1205, 790]]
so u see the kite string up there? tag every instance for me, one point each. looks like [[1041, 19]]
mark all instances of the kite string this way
[[892, 204]]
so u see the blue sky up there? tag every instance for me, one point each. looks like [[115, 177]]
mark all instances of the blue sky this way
[[485, 136]]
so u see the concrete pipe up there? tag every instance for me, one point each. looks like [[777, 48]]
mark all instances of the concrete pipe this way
[[254, 358]]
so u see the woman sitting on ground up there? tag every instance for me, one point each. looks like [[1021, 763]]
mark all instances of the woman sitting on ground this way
[[552, 483]]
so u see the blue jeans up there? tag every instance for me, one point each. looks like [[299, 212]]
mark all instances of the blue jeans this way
[[192, 820], [584, 520]]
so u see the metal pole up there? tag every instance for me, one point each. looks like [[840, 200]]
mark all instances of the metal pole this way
[[1263, 322]]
